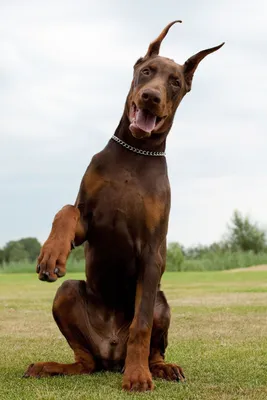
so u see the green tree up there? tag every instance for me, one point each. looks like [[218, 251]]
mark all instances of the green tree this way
[[32, 246], [14, 252], [2, 256], [175, 257], [245, 235]]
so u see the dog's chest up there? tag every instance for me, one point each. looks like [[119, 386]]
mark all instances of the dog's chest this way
[[126, 201]]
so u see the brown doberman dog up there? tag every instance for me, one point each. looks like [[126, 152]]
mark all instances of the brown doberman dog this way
[[118, 318]]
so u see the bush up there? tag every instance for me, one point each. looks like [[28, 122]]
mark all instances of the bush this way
[[175, 257], [212, 261]]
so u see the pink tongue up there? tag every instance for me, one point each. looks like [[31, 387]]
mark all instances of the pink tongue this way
[[145, 120]]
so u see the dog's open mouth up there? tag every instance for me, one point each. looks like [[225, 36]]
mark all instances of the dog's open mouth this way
[[143, 122]]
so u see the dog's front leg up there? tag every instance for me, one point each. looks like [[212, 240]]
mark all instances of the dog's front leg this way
[[66, 229], [137, 376]]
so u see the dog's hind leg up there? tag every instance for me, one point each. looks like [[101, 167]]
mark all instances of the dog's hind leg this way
[[71, 314], [159, 341]]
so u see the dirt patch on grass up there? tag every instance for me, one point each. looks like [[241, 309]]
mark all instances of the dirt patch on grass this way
[[226, 327], [253, 268], [221, 300]]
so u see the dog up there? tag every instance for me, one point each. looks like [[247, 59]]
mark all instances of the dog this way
[[118, 319]]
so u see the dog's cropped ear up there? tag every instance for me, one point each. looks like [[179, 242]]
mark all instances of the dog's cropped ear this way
[[191, 64], [153, 49]]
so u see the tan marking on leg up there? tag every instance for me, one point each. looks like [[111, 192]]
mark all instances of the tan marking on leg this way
[[137, 376], [154, 212], [46, 369]]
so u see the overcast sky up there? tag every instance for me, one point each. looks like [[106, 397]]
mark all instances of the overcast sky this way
[[65, 70]]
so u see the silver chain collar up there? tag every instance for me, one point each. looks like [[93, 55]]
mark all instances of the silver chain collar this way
[[138, 151]]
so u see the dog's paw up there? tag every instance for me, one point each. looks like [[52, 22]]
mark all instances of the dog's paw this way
[[52, 260], [38, 370], [137, 379], [170, 372]]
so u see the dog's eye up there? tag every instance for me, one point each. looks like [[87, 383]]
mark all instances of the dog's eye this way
[[146, 71], [176, 83]]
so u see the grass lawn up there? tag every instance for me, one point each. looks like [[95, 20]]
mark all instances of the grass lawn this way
[[218, 335]]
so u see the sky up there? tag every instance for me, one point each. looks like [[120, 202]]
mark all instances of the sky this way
[[65, 71]]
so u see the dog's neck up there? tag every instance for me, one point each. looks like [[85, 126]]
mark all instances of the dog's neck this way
[[155, 143]]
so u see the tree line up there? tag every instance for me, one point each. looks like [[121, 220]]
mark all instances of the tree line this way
[[27, 250], [243, 244]]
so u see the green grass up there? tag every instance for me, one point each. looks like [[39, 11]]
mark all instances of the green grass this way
[[218, 335]]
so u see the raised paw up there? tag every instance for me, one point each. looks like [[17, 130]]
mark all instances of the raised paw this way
[[170, 372], [137, 380], [51, 262]]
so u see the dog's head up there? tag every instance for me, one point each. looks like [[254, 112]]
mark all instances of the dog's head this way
[[158, 86]]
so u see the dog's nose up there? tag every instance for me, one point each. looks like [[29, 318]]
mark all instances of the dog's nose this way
[[151, 95]]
